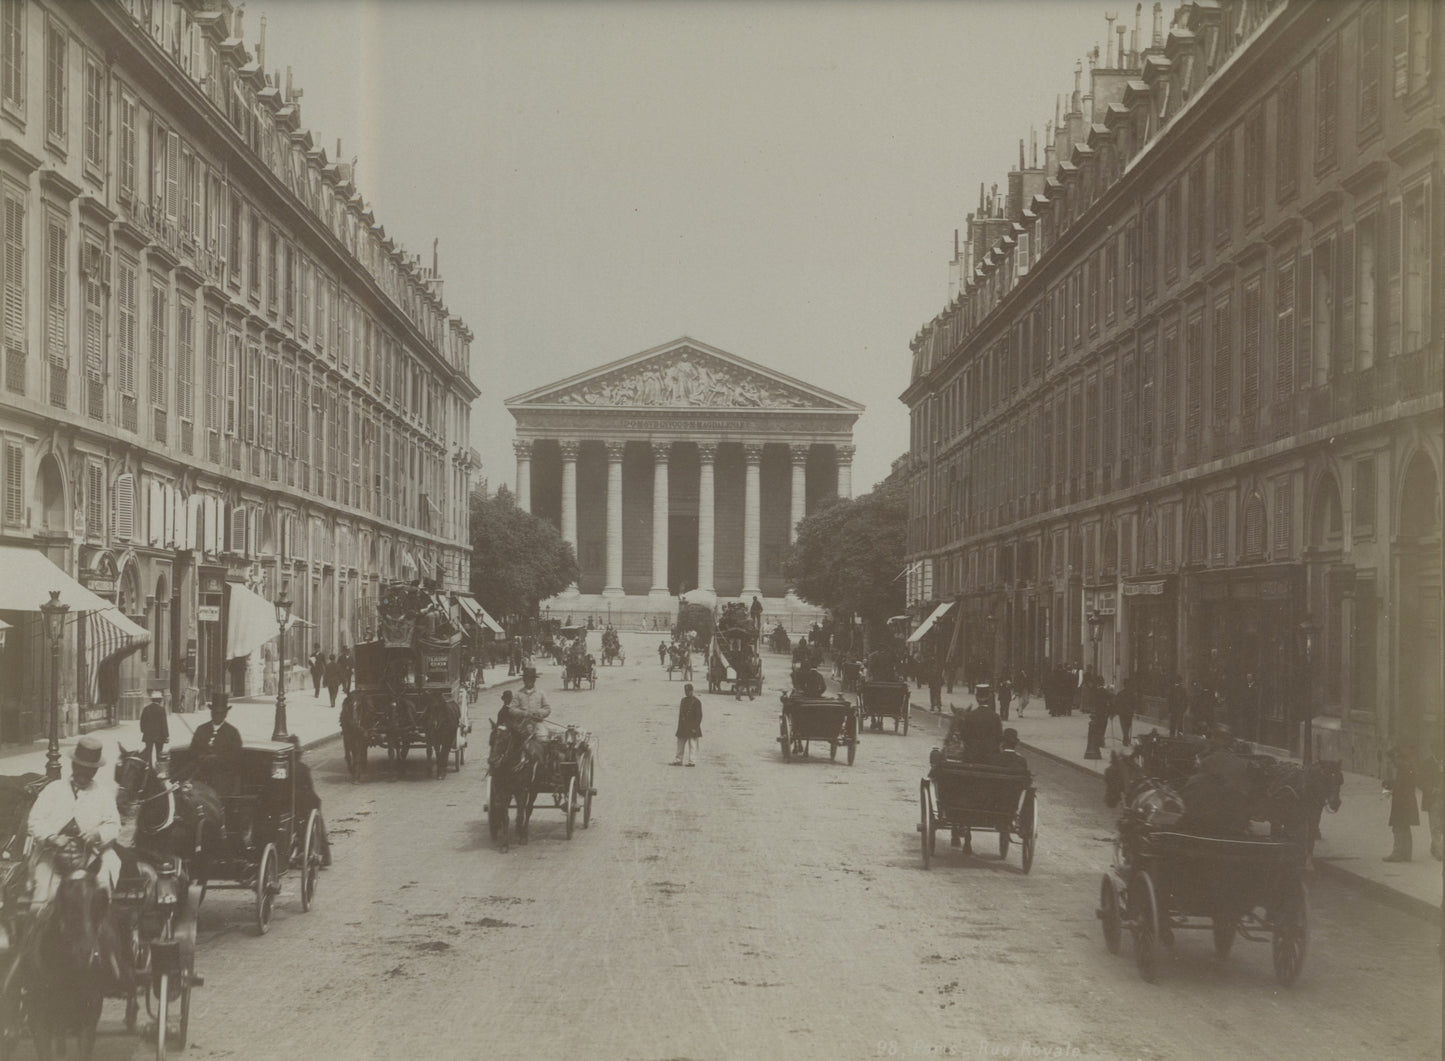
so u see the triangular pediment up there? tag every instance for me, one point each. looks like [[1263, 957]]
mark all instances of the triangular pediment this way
[[684, 374]]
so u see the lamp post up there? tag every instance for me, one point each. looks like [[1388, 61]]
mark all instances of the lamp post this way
[[1094, 619], [283, 616], [1308, 632], [53, 613]]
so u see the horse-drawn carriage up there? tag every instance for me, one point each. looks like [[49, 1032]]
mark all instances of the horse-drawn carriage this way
[[1164, 881], [880, 700], [804, 719], [679, 660], [580, 666], [561, 763], [965, 796], [733, 658], [612, 648]]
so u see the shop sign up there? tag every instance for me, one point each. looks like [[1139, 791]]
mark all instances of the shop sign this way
[[1143, 589], [209, 613], [98, 583]]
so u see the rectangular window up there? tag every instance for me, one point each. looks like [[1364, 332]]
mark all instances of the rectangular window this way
[[1254, 166], [93, 326], [1111, 280], [14, 484], [1110, 435], [1171, 231], [1194, 222], [94, 116], [1223, 365], [1149, 247], [1131, 258], [56, 316], [233, 255], [1091, 297], [57, 43], [251, 407], [127, 341], [215, 386], [1286, 159], [1224, 188], [1327, 102], [288, 279], [1194, 381], [12, 54], [1169, 416], [233, 385], [1411, 45], [127, 147], [1284, 331], [159, 357], [1249, 366], [186, 370], [1416, 268], [1371, 68], [253, 258], [273, 269]]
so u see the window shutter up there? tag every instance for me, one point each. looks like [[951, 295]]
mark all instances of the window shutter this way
[[1249, 383], [126, 327], [55, 277], [1283, 503], [94, 501], [1223, 364], [236, 539], [15, 293], [172, 164], [1345, 299], [124, 508], [1370, 67], [1394, 289], [1400, 47], [155, 522], [14, 484], [1284, 306], [1304, 352]]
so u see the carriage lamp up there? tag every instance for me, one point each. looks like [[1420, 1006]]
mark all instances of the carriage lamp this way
[[283, 616], [1308, 635], [52, 613]]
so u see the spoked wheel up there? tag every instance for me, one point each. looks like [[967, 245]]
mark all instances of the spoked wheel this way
[[1291, 935], [1003, 842], [786, 739], [268, 883], [587, 776], [571, 805], [906, 713], [1030, 838], [852, 750], [1224, 932], [163, 1003], [925, 827], [833, 750], [310, 859], [1109, 913], [1144, 913]]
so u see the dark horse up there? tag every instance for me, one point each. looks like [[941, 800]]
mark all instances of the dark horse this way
[[1126, 782], [1291, 797], [512, 762], [183, 820], [441, 717], [71, 958]]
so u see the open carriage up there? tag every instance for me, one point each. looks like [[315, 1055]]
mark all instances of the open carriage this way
[[580, 667], [831, 720], [612, 648], [880, 700], [1163, 882], [679, 661], [963, 797], [566, 771]]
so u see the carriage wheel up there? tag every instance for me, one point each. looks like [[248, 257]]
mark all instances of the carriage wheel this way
[[786, 740], [268, 883], [852, 750], [1291, 935], [310, 859], [1224, 932], [459, 751], [1144, 913], [833, 750], [163, 1001], [1003, 841], [1031, 838], [925, 827], [588, 774], [1109, 913], [571, 805]]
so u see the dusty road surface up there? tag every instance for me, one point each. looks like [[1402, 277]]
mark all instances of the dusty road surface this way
[[752, 909]]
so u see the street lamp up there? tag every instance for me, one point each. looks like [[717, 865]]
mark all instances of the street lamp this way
[[283, 616], [1094, 619], [53, 613], [1308, 633]]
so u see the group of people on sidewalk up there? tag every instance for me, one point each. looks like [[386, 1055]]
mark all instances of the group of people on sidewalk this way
[[331, 670]]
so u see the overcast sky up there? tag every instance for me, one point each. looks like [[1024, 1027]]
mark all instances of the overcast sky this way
[[779, 179]]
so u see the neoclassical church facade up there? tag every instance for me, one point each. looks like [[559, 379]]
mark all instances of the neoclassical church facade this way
[[682, 469]]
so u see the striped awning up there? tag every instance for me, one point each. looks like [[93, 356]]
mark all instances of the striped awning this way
[[927, 624], [106, 641]]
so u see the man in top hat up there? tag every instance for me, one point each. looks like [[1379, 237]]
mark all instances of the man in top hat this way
[[155, 730], [70, 820], [216, 750]]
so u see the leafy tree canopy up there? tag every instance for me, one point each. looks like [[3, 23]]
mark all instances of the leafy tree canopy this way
[[848, 557], [517, 559]]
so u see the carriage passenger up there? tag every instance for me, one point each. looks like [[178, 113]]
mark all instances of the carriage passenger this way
[[1008, 755], [1216, 796], [216, 750]]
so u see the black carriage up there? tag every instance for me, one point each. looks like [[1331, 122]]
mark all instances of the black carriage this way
[[733, 660], [403, 692], [832, 720], [612, 648], [566, 771], [579, 669], [880, 700], [965, 797], [273, 826], [1163, 882]]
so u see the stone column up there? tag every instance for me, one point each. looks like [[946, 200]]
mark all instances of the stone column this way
[[707, 455], [569, 501], [660, 454], [845, 472], [523, 450], [752, 518], [799, 456], [612, 587]]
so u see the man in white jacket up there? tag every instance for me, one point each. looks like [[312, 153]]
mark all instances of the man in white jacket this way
[[71, 814]]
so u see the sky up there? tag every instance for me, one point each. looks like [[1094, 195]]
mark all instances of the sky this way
[[778, 178]]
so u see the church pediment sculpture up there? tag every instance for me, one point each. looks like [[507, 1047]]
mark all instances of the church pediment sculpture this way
[[685, 379]]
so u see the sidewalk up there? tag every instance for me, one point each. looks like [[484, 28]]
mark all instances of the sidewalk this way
[[308, 717], [1353, 841]]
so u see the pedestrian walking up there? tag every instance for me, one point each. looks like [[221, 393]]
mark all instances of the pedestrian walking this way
[[1126, 702], [333, 678], [345, 663], [1005, 697], [662, 653], [318, 670], [689, 727], [1404, 812], [155, 730], [1176, 703]]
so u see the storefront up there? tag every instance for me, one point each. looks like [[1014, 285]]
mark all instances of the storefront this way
[[1152, 641]]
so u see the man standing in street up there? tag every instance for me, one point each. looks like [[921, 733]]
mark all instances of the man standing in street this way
[[756, 611], [689, 727], [344, 662], [155, 730]]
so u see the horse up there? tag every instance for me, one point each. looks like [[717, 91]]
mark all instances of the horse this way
[[183, 820], [512, 761], [1145, 798], [68, 963], [1291, 797], [442, 717]]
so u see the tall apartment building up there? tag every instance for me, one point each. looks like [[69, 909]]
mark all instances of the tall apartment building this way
[[1183, 411], [217, 367]]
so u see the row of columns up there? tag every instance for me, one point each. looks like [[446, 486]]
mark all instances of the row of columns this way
[[707, 457]]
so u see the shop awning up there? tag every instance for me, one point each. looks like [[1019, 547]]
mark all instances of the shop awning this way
[[927, 624], [478, 615], [251, 621]]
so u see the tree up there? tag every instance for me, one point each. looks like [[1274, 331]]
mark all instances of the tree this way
[[848, 557], [517, 559]]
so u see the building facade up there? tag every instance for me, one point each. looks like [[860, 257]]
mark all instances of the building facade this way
[[1182, 414], [682, 469], [217, 366]]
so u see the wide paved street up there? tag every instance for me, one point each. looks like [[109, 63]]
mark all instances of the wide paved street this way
[[752, 909]]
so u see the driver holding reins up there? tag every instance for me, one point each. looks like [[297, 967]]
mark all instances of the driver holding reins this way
[[71, 817]]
